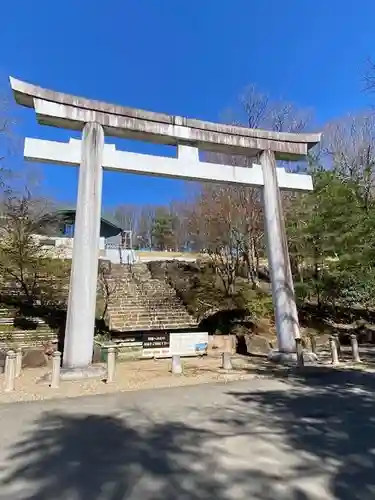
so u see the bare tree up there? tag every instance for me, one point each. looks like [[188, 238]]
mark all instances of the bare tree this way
[[179, 215], [213, 225], [255, 105], [369, 77], [8, 137], [230, 219], [128, 216], [24, 260], [250, 229], [145, 226], [256, 110], [348, 147]]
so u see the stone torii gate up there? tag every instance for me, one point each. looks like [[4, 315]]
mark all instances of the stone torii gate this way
[[96, 119]]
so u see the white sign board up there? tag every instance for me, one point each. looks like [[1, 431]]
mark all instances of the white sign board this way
[[189, 343], [183, 344]]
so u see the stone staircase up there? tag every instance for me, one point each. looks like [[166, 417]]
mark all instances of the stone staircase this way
[[139, 302], [23, 332]]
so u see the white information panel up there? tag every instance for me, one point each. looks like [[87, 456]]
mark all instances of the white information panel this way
[[189, 343], [182, 343]]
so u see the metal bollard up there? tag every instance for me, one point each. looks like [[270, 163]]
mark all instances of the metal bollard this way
[[299, 351], [176, 364], [226, 362], [334, 352], [355, 350], [111, 364], [10, 372], [56, 367], [18, 362]]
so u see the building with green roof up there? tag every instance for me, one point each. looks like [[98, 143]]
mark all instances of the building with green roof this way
[[110, 228], [115, 243]]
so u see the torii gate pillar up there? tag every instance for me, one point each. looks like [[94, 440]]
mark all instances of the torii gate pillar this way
[[80, 323], [284, 303]]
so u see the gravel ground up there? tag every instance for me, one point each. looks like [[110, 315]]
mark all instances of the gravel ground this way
[[130, 376], [152, 374]]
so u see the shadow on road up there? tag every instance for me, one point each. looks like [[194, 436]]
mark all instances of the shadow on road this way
[[326, 415], [93, 457]]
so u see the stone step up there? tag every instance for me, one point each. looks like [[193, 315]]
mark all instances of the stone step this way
[[10, 320], [126, 292], [145, 310], [164, 306], [142, 309], [157, 298], [138, 287], [22, 335], [154, 319], [147, 283], [140, 328], [151, 318], [22, 340], [151, 314], [17, 331], [146, 306], [5, 312]]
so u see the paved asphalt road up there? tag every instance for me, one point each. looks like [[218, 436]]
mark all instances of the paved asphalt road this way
[[306, 438]]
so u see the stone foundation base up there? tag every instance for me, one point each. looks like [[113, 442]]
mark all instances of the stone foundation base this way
[[93, 371], [290, 358]]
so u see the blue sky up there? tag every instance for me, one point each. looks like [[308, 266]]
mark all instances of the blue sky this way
[[182, 57]]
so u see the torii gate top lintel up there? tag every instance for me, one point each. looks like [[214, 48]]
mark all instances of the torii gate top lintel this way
[[71, 112]]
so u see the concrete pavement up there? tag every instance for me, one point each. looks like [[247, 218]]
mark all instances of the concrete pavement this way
[[257, 440]]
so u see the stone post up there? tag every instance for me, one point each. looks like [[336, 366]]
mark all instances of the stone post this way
[[334, 352], [338, 345], [10, 372], [228, 344], [176, 364], [299, 349], [79, 333], [111, 364], [56, 366], [286, 317], [355, 350], [18, 362], [6, 364], [313, 344], [226, 361]]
